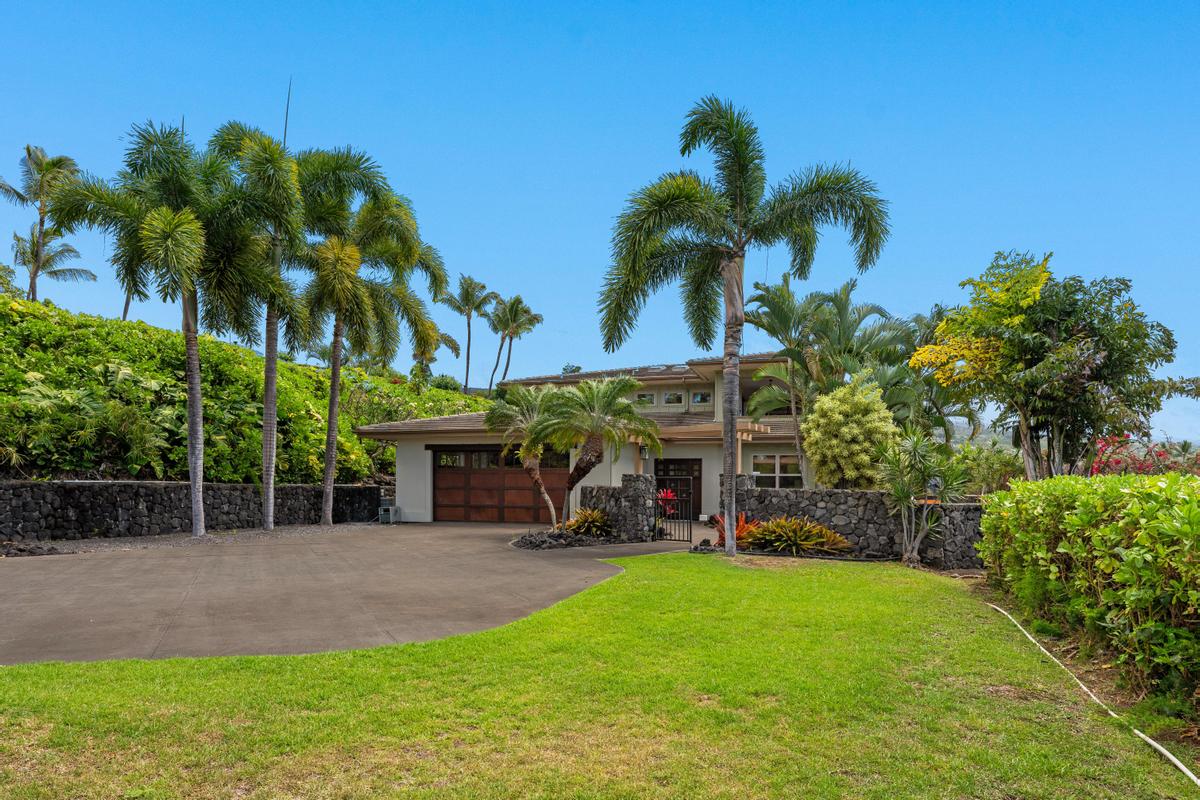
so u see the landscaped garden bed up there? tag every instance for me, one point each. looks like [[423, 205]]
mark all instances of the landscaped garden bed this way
[[587, 528]]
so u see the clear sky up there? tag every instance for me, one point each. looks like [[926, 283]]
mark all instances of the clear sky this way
[[518, 130]]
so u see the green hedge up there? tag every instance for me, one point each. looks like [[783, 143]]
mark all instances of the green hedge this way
[[88, 397], [1117, 557]]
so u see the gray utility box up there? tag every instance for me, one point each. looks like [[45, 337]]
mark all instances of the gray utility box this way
[[389, 514]]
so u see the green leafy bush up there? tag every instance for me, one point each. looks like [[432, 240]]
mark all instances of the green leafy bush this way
[[1115, 557], [844, 432], [795, 535], [989, 467], [87, 397], [590, 522]]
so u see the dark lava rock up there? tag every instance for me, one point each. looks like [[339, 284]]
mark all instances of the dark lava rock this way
[[15, 549], [553, 540]]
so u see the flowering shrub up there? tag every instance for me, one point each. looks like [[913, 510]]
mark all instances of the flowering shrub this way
[[1115, 557], [742, 529], [665, 506], [1124, 455]]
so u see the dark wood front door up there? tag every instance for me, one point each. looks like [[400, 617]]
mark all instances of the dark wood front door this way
[[478, 484], [683, 468]]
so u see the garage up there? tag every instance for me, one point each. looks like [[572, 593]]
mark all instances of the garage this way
[[478, 483]]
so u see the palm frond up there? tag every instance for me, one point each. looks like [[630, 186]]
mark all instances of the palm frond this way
[[733, 138]]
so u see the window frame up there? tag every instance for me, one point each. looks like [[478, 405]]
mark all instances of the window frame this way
[[706, 392], [667, 402], [776, 475], [638, 398]]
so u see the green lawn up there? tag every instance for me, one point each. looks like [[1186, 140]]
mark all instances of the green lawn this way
[[685, 676]]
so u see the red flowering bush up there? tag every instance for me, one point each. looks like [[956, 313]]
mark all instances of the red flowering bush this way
[[1124, 455]]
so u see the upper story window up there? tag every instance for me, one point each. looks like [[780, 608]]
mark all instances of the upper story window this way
[[672, 398], [701, 398], [644, 398]]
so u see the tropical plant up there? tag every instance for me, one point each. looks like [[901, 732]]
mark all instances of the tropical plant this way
[[41, 176], [592, 415], [918, 475], [590, 522], [425, 353], [8, 284], [990, 468], [843, 434], [741, 530], [177, 224], [794, 535], [512, 319], [687, 228], [851, 336], [472, 299], [448, 383], [520, 418], [360, 280]]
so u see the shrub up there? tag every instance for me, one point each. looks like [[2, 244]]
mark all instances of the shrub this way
[[843, 434], [918, 475], [447, 382], [590, 522], [795, 535], [743, 528], [989, 468], [1115, 557]]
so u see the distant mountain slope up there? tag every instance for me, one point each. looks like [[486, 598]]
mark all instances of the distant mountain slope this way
[[88, 397]]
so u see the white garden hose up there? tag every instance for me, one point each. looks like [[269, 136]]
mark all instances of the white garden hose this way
[[1164, 752]]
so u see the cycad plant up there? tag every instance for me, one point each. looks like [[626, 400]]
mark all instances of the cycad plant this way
[[520, 417], [918, 476], [360, 283], [471, 300], [41, 176], [591, 416], [178, 227], [683, 227], [512, 319]]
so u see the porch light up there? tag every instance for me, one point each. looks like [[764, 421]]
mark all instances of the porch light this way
[[643, 452]]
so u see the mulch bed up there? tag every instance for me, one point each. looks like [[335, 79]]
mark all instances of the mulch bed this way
[[556, 539], [16, 549]]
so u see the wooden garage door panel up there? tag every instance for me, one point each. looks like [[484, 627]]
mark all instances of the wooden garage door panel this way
[[512, 514], [483, 513], [449, 513], [451, 497], [447, 478], [518, 497], [483, 497], [487, 479], [492, 493]]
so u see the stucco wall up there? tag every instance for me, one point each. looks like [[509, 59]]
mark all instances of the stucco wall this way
[[414, 481], [41, 510]]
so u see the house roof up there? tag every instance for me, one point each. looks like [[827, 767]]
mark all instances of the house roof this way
[[652, 372]]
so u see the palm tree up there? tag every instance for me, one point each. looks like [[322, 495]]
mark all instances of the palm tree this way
[[46, 260], [590, 415], [852, 335], [512, 319], [425, 353], [41, 176], [687, 228], [178, 225], [360, 280], [519, 416], [472, 298]]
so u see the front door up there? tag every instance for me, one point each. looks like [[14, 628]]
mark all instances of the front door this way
[[687, 473]]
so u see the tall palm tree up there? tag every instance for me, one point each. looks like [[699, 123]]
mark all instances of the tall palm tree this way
[[688, 228], [512, 319], [519, 417], [471, 299], [360, 281], [591, 415], [178, 226], [425, 352], [47, 258], [41, 176]]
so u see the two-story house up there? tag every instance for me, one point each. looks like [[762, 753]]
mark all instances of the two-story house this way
[[452, 469]]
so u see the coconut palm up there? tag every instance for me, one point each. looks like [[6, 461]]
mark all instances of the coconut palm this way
[[360, 282], [472, 299], [688, 228], [178, 227], [519, 416], [47, 258], [512, 319], [41, 176], [591, 415]]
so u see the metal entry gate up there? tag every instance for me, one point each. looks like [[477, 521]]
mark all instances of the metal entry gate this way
[[673, 509]]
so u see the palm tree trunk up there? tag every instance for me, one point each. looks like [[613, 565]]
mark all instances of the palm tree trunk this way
[[36, 266], [331, 425], [590, 455], [533, 468], [467, 374], [195, 412], [507, 361], [270, 420], [125, 311], [735, 320], [497, 364], [795, 421]]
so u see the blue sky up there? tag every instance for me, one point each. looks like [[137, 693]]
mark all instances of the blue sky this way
[[518, 130]]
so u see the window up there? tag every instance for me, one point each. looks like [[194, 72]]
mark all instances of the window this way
[[485, 459], [672, 398], [644, 398], [701, 398], [455, 459], [776, 472]]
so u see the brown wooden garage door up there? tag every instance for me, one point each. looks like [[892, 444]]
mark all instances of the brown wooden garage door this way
[[480, 485]]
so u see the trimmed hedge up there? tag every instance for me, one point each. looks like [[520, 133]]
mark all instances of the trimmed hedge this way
[[1116, 557]]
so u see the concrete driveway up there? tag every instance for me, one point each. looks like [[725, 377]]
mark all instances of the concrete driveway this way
[[363, 586]]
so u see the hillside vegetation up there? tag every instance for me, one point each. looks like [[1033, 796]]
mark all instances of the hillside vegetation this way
[[88, 397]]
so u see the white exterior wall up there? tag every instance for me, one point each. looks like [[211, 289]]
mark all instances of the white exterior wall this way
[[607, 473], [710, 470], [414, 481]]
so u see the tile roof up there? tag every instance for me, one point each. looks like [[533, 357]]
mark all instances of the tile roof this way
[[652, 371]]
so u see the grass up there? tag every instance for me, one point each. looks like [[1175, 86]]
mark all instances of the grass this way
[[686, 676]]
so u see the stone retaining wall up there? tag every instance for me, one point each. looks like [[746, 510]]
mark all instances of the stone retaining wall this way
[[630, 506], [41, 510], [863, 518]]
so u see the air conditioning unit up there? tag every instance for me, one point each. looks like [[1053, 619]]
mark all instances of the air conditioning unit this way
[[389, 514]]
